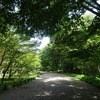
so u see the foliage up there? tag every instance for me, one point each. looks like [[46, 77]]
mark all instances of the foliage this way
[[25, 14], [15, 81], [74, 49], [17, 56], [90, 79], [75, 39]]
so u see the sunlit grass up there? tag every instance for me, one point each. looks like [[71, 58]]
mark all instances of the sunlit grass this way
[[16, 81], [90, 79]]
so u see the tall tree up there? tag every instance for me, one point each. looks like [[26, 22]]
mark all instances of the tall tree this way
[[42, 16], [12, 49], [77, 47]]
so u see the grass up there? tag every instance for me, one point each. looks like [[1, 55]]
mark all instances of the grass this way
[[90, 79], [16, 81]]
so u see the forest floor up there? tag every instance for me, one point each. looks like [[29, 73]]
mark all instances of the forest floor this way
[[52, 86]]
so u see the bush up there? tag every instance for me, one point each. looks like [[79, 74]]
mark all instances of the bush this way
[[90, 79]]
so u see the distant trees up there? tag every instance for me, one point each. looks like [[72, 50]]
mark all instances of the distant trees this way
[[75, 49]]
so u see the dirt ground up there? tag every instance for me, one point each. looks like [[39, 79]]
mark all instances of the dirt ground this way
[[52, 86]]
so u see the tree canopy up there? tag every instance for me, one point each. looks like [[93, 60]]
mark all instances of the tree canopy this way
[[35, 17], [74, 50], [17, 55], [75, 39]]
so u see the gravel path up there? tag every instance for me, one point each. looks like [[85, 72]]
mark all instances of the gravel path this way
[[51, 86]]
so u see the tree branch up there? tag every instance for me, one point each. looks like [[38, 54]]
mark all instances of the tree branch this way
[[91, 5], [96, 3], [94, 12]]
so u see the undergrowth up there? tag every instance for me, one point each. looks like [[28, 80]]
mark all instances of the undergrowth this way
[[90, 79], [16, 81]]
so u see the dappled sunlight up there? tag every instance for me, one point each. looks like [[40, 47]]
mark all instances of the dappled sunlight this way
[[53, 79], [64, 87], [71, 86], [59, 78], [39, 78], [95, 97], [83, 92], [44, 93], [47, 93], [69, 79], [52, 84], [75, 88], [80, 87]]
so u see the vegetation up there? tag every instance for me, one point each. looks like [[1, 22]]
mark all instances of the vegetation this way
[[15, 81], [74, 50], [25, 14], [92, 80], [75, 38], [17, 56]]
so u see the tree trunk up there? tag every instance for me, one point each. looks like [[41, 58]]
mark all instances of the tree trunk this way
[[6, 71], [2, 59], [2, 80], [9, 74]]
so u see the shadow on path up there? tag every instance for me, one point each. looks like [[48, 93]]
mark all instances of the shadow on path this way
[[51, 86]]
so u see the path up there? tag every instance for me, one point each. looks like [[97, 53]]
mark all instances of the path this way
[[51, 86]]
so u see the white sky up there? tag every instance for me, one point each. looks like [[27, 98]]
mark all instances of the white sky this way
[[44, 42]]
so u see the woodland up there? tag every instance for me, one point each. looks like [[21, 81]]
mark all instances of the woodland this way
[[74, 37]]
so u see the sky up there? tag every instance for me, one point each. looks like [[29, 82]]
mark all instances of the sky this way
[[44, 42]]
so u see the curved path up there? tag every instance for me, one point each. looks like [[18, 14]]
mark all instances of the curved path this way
[[51, 86]]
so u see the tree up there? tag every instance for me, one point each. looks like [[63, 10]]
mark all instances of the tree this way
[[77, 47], [13, 49], [25, 14]]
